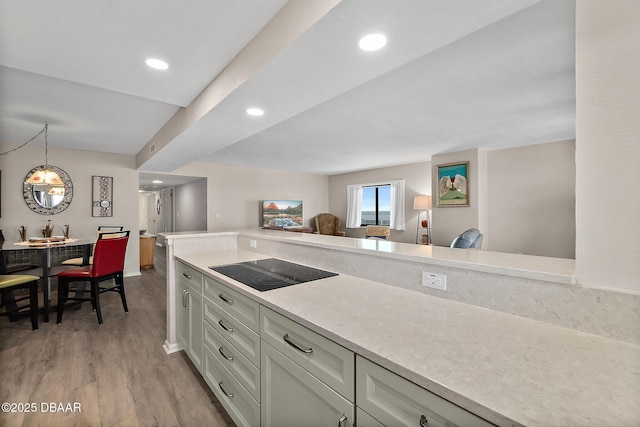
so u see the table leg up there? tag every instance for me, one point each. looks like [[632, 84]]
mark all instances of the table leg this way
[[86, 254], [46, 283]]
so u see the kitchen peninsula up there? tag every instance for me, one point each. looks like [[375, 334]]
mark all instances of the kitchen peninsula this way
[[504, 368]]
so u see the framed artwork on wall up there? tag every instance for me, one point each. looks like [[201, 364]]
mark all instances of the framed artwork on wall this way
[[102, 204], [453, 184], [285, 214]]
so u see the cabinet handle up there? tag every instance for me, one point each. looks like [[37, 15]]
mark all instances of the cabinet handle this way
[[229, 395], [423, 421], [342, 422], [229, 358], [225, 327], [185, 299], [188, 276], [296, 345], [225, 298]]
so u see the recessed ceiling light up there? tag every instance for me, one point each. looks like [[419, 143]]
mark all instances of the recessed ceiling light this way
[[372, 42], [156, 181], [157, 64], [255, 111]]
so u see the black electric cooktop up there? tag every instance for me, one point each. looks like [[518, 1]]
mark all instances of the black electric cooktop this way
[[271, 273]]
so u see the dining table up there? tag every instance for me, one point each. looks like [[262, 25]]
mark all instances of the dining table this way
[[45, 245]]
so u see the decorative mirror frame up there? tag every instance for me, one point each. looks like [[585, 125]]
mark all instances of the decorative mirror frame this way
[[27, 192]]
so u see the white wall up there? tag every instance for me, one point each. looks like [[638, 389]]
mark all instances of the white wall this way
[[191, 206], [81, 166], [519, 214], [531, 200], [522, 200], [142, 210], [608, 144], [417, 178], [234, 193]]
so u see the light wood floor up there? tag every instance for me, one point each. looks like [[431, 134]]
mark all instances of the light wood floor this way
[[118, 372]]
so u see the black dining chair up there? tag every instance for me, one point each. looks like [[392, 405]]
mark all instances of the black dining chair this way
[[13, 282], [108, 264]]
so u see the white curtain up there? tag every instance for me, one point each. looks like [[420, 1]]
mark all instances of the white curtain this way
[[354, 206], [397, 205]]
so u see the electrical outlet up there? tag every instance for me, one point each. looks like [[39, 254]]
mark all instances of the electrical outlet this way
[[253, 243], [435, 281]]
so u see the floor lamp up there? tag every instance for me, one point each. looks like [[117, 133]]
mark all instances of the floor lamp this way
[[422, 203]]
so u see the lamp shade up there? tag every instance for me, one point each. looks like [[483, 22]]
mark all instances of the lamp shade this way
[[422, 203]]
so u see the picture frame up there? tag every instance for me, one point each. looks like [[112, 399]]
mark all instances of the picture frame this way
[[453, 185], [102, 203], [282, 214]]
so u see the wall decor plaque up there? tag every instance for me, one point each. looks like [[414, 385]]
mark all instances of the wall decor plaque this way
[[102, 204]]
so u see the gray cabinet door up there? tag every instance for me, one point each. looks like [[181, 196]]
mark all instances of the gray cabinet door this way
[[189, 313], [194, 345], [291, 396], [182, 319]]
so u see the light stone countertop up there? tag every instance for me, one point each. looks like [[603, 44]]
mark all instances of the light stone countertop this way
[[506, 369], [556, 270]]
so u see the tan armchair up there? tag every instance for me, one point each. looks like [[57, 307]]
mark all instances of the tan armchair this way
[[378, 232], [329, 224]]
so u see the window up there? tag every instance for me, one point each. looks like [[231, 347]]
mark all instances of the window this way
[[376, 205]]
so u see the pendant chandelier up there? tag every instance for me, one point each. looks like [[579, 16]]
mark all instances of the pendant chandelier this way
[[56, 191], [45, 176]]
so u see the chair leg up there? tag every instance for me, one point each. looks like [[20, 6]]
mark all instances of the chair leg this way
[[120, 282], [63, 291], [9, 302], [33, 309], [95, 296]]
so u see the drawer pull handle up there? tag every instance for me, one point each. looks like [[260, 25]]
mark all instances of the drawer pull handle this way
[[342, 422], [225, 327], [295, 345], [423, 421], [229, 395], [229, 358], [225, 298], [188, 276]]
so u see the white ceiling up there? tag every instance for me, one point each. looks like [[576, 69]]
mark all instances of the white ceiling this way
[[455, 74]]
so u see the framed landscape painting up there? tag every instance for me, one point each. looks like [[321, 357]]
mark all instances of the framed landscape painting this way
[[285, 214], [453, 184]]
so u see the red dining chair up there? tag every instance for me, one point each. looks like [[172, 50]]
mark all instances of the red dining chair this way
[[108, 264], [82, 261]]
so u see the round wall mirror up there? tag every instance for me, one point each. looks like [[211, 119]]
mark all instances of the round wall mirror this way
[[48, 199]]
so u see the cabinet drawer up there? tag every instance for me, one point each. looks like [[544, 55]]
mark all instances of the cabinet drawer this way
[[328, 361], [237, 333], [233, 303], [189, 276], [240, 406], [241, 368], [394, 401]]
